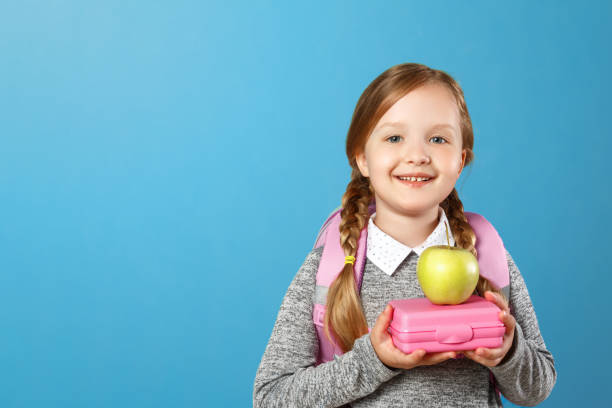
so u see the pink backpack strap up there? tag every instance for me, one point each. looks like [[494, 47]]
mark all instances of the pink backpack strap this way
[[330, 266], [323, 231], [332, 259], [492, 261]]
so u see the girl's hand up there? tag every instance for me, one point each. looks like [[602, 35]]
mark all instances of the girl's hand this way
[[492, 357], [394, 357]]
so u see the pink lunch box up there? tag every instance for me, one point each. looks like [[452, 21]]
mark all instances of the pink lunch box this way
[[419, 324]]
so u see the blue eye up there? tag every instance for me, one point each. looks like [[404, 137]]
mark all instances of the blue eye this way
[[438, 137], [394, 138]]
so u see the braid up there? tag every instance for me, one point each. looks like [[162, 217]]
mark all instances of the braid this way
[[344, 315], [465, 237]]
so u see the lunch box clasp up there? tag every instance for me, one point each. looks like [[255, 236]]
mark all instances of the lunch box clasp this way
[[459, 333]]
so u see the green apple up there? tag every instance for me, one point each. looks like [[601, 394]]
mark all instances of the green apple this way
[[448, 275]]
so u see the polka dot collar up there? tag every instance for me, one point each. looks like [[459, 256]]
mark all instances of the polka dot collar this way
[[387, 253]]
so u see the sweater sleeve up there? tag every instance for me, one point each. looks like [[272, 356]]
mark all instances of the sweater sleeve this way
[[526, 375], [287, 376]]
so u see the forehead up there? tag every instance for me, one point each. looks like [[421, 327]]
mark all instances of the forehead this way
[[425, 106]]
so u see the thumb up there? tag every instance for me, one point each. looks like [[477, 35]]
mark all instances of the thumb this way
[[383, 320]]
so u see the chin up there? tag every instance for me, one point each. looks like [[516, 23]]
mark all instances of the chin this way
[[414, 210]]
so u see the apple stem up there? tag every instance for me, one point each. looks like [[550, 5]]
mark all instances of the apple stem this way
[[447, 239]]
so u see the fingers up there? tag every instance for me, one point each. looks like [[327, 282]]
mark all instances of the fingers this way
[[505, 316], [492, 357], [420, 357], [508, 320], [394, 357], [485, 356], [483, 353], [497, 300], [436, 358], [415, 357]]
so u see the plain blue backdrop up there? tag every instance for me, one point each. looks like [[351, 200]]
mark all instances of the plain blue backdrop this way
[[165, 167]]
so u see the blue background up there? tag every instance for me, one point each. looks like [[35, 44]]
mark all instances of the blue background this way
[[165, 167]]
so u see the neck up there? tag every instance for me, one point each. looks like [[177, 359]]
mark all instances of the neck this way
[[409, 229]]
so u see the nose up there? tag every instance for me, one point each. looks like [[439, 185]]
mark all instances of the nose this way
[[416, 153]]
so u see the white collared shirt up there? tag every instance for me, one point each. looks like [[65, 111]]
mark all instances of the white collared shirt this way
[[387, 253]]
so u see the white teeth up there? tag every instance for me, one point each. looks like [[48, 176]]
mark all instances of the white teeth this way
[[414, 178]]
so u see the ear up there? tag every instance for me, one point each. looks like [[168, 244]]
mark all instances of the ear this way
[[463, 156], [362, 164]]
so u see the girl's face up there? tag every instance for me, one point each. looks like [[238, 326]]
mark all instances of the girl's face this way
[[418, 136]]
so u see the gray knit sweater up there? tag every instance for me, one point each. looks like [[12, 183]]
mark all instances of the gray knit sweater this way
[[287, 376]]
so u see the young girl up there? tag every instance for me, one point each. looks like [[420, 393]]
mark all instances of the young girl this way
[[409, 139]]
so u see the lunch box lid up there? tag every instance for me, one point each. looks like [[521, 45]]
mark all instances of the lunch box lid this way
[[420, 315]]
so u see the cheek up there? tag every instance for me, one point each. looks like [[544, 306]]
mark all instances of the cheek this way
[[453, 163], [380, 172], [383, 161]]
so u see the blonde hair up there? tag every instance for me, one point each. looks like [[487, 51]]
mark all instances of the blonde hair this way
[[344, 316]]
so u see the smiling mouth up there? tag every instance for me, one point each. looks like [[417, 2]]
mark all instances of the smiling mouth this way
[[415, 181]]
